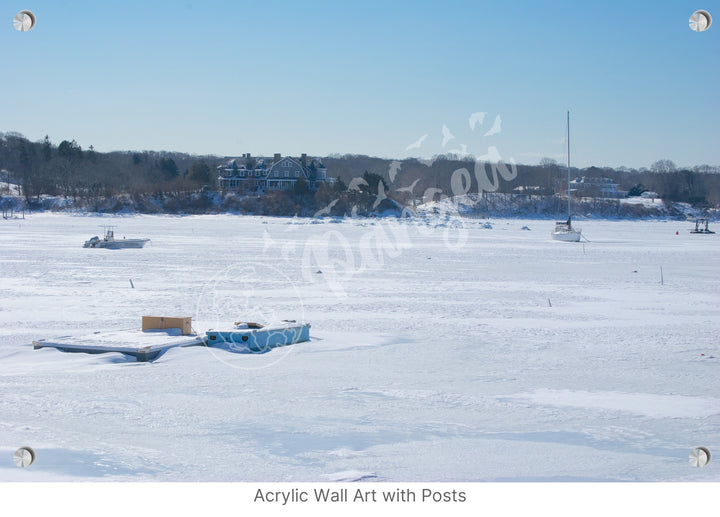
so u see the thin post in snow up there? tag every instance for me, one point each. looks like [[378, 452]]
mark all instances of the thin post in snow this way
[[131, 284], [549, 303], [662, 280]]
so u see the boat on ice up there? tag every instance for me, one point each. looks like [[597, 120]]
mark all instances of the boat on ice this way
[[254, 337], [109, 241], [564, 230]]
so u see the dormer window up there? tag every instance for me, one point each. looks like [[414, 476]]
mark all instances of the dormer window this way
[[287, 163]]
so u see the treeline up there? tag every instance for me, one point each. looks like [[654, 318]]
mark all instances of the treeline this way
[[149, 180], [66, 169], [447, 175]]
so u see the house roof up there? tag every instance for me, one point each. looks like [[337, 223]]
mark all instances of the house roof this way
[[294, 166]]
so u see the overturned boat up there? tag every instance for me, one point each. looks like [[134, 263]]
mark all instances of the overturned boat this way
[[109, 241], [254, 337]]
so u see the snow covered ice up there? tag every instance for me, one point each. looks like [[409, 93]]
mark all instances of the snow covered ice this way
[[441, 350]]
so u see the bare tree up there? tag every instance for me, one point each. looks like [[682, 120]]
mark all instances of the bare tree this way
[[663, 166]]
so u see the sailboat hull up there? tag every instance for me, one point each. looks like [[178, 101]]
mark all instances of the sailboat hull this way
[[567, 236]]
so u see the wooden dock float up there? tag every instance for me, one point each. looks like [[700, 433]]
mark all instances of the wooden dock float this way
[[144, 345]]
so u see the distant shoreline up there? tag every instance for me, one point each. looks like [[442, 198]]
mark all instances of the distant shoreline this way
[[491, 205]]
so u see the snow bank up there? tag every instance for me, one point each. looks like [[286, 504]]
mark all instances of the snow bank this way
[[439, 349]]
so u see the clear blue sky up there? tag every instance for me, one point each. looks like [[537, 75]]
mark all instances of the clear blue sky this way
[[370, 77]]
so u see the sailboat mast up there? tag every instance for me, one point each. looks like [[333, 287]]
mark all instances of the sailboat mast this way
[[568, 161]]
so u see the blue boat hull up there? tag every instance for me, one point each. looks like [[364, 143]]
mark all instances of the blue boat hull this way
[[257, 339]]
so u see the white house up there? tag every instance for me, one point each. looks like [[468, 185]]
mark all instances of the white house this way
[[596, 187]]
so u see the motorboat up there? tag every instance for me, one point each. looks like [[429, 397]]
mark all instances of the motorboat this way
[[109, 241]]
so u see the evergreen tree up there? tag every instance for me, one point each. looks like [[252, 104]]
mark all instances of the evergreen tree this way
[[70, 150], [169, 168], [200, 173], [47, 149], [637, 190]]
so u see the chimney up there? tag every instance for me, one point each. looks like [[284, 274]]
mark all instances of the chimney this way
[[277, 157], [303, 159]]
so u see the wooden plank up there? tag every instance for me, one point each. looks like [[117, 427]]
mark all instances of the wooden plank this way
[[163, 322]]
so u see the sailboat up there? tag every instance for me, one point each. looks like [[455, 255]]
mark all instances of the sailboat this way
[[564, 230]]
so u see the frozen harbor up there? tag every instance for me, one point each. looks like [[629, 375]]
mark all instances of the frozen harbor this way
[[441, 350]]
